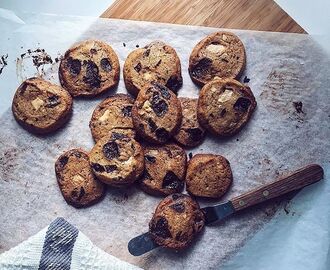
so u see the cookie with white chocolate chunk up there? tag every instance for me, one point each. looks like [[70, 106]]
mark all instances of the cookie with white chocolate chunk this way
[[113, 112], [77, 183], [221, 54], [117, 159], [225, 106], [156, 62], [40, 106]]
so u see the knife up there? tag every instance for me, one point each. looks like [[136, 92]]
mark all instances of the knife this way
[[296, 180]]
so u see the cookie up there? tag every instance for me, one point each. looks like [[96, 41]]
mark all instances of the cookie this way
[[190, 133], [40, 106], [208, 176], [113, 112], [89, 68], [225, 106], [117, 159], [176, 221], [156, 62], [220, 54], [156, 113], [77, 183], [165, 169]]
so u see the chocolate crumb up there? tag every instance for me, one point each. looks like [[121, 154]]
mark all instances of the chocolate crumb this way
[[246, 79], [124, 44], [237, 140], [137, 46], [190, 155], [3, 62], [298, 106]]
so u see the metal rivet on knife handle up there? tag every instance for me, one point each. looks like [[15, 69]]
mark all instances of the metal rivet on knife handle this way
[[297, 180]]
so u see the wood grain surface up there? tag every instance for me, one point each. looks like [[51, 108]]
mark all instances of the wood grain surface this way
[[263, 15]]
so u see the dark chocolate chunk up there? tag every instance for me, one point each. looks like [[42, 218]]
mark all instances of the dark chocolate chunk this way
[[93, 51], [106, 64], [110, 150], [195, 134], [160, 228], [176, 196], [146, 175], [81, 193], [242, 104], [110, 168], [178, 207], [202, 67], [127, 111], [174, 83], [158, 63], [162, 134], [151, 159], [74, 66], [159, 105], [77, 154], [53, 101], [146, 53], [163, 90], [98, 167], [182, 237], [138, 67], [152, 125], [171, 181], [63, 161], [223, 112], [199, 223], [246, 79], [92, 76], [117, 136]]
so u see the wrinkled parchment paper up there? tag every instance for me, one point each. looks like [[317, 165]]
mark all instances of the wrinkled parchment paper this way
[[282, 68]]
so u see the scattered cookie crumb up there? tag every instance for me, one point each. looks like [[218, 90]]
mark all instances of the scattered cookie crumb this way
[[3, 62], [190, 155], [298, 106], [137, 46], [124, 44], [246, 79]]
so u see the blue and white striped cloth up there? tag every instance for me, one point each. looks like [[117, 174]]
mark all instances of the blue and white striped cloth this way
[[60, 246]]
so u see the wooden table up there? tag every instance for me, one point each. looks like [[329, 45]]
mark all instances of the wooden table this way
[[264, 15]]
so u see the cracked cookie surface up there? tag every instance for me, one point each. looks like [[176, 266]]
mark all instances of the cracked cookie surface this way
[[208, 176], [176, 221], [89, 68], [165, 169], [76, 180], [156, 113], [113, 112], [225, 106], [40, 106], [156, 62], [221, 54]]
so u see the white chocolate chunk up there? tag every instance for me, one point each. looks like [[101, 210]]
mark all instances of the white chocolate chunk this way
[[216, 48], [105, 116], [147, 76], [37, 103], [224, 37], [226, 95], [78, 179], [147, 106]]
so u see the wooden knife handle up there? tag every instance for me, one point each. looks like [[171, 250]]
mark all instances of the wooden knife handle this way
[[297, 180]]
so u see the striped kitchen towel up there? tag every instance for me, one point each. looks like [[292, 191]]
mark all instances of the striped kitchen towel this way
[[60, 246]]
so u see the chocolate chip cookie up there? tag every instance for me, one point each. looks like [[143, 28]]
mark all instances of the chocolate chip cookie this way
[[220, 54], [225, 106], [77, 183], [156, 113], [113, 112], [190, 133], [165, 169], [176, 221], [117, 159], [208, 176], [89, 68], [156, 62], [40, 106]]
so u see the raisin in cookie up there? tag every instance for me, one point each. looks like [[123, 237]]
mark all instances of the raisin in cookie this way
[[220, 54], [155, 62], [40, 106], [225, 106], [113, 112], [176, 221], [156, 113], [117, 159], [208, 176], [77, 183], [165, 169], [89, 68], [190, 133]]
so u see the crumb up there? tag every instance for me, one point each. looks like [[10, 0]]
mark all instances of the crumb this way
[[3, 62], [298, 106], [137, 46], [287, 208], [56, 60], [246, 79], [237, 140], [124, 44], [190, 155], [21, 47]]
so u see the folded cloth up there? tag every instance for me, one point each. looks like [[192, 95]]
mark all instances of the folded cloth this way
[[60, 246]]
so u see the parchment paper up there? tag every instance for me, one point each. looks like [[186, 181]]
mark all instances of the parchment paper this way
[[283, 69]]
